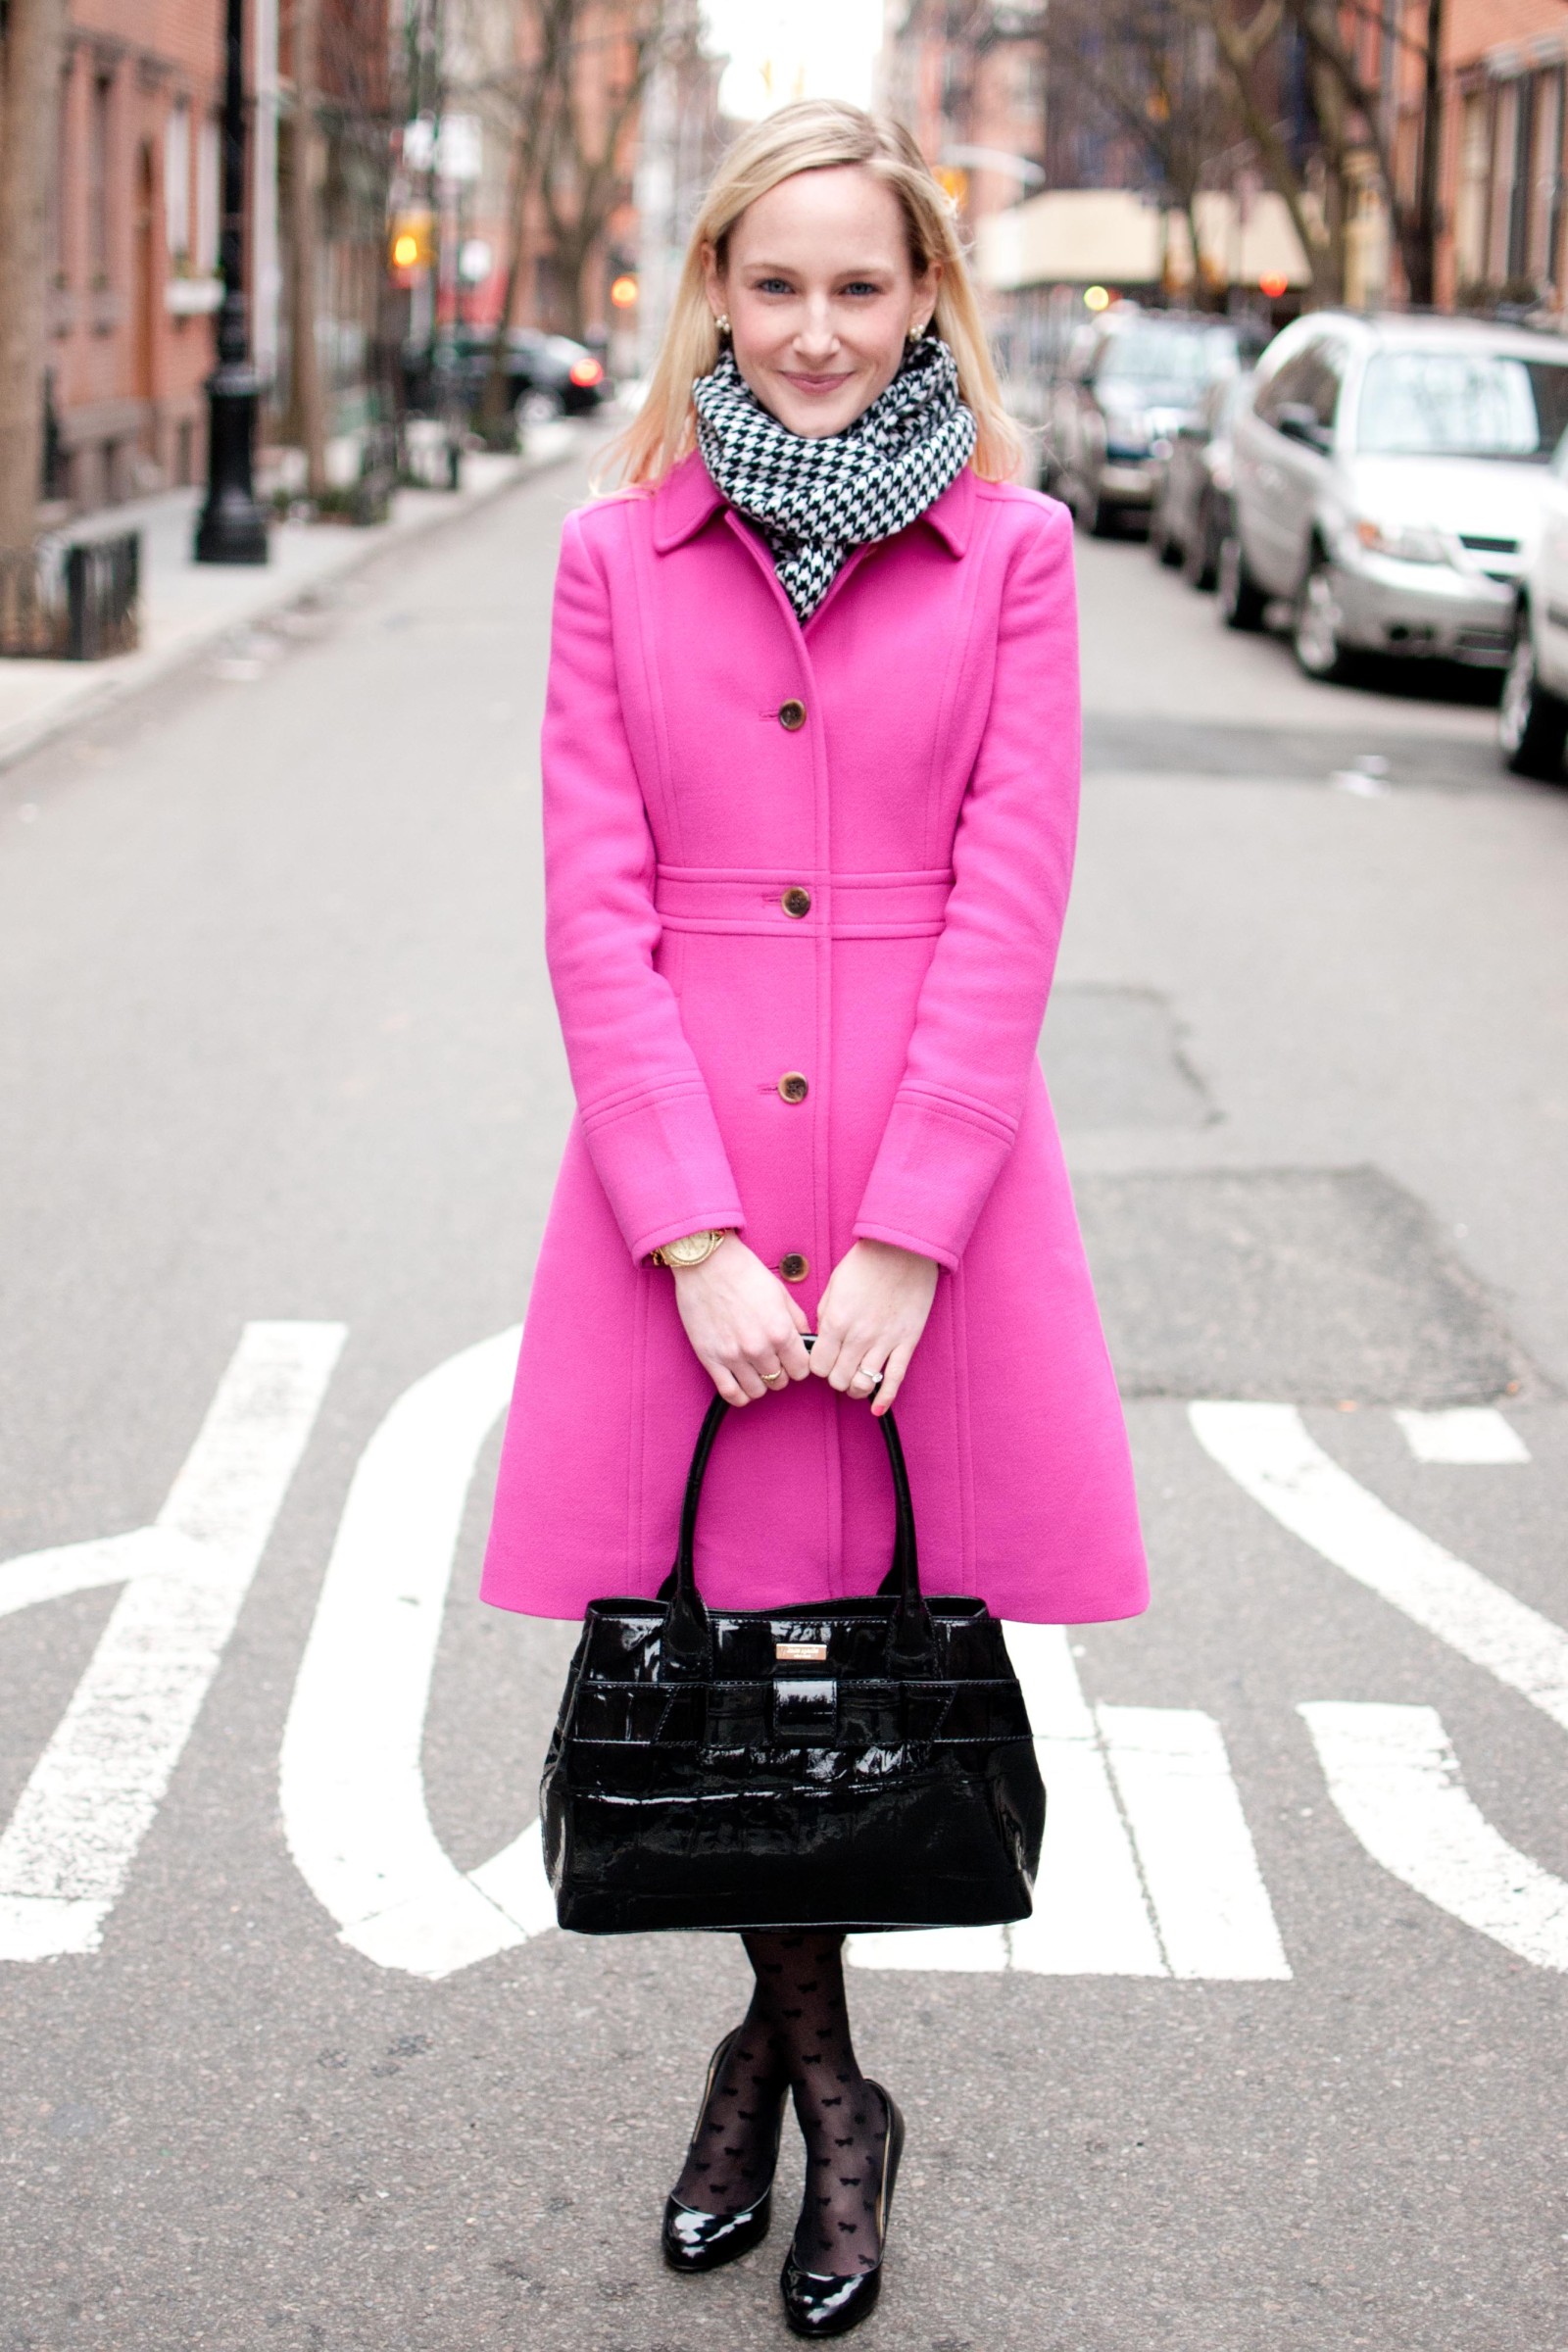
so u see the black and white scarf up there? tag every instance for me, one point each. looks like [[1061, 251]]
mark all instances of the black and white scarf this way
[[814, 500]]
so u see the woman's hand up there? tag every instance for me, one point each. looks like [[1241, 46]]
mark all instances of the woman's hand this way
[[742, 1321], [870, 1318]]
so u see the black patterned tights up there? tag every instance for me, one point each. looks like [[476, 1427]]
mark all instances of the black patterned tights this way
[[795, 2035]]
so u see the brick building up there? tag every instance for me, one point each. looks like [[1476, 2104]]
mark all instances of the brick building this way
[[1504, 127], [134, 244]]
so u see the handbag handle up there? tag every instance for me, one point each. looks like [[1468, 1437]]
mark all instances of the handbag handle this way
[[686, 1645]]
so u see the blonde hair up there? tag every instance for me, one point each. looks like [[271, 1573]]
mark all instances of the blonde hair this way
[[817, 135]]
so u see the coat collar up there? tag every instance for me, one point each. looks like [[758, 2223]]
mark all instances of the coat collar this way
[[689, 496]]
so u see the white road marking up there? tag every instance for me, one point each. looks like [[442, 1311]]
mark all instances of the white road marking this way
[[352, 1778], [1091, 1915], [1469, 1434], [37, 1576], [1392, 1776], [1174, 1781], [1096, 1911], [1267, 1451], [70, 1843]]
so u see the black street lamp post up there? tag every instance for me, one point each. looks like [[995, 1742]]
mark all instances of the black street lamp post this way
[[233, 528]]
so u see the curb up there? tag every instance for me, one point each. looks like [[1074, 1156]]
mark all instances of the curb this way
[[100, 694]]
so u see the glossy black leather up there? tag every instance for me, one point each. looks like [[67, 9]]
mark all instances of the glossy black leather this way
[[695, 2240], [696, 1780], [816, 2304]]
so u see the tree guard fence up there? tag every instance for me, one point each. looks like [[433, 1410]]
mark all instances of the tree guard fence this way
[[74, 601]]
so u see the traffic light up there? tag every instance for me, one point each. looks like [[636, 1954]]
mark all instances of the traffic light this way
[[411, 245]]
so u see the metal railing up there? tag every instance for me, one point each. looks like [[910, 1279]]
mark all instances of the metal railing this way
[[79, 602]]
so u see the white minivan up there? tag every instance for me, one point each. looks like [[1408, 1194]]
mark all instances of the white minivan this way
[[1388, 477], [1533, 715]]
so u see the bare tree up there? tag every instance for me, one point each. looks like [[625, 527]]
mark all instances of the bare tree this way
[[29, 81], [1143, 66], [1350, 120], [305, 158], [583, 176], [526, 91], [564, 92]]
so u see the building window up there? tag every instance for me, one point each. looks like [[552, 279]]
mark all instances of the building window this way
[[98, 178], [1470, 207], [1543, 222], [176, 182], [207, 200], [59, 183]]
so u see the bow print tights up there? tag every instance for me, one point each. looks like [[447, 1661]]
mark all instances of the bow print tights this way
[[795, 2036]]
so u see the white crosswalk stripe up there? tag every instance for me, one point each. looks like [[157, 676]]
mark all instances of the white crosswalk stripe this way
[[94, 1791], [1390, 1770], [1468, 1434], [1394, 1778]]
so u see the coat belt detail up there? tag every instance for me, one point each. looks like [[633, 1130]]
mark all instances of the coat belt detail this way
[[908, 906]]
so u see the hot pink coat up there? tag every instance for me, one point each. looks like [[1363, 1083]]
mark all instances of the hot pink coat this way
[[926, 808]]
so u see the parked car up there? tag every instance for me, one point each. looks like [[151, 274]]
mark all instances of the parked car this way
[[1533, 714], [1126, 389], [547, 375], [1388, 478], [1190, 518]]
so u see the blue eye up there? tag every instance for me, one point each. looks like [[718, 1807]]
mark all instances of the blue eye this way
[[775, 285], [861, 286]]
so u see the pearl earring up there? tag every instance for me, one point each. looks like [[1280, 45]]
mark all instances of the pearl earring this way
[[721, 323]]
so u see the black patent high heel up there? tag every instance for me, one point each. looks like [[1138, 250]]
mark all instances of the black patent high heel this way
[[695, 2240], [816, 2304]]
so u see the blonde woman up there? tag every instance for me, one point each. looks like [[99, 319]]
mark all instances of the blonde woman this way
[[811, 764]]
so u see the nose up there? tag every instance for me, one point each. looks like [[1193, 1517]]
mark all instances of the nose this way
[[816, 337]]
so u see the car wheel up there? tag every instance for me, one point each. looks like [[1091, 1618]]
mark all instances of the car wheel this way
[[1315, 625], [1161, 546], [1099, 519], [1241, 601], [1532, 721], [541, 405], [1201, 554]]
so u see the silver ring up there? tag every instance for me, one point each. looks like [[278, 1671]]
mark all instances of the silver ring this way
[[866, 1374]]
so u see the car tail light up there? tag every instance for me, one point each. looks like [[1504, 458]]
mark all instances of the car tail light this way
[[586, 371]]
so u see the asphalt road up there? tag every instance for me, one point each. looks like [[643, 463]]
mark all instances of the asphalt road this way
[[290, 2057]]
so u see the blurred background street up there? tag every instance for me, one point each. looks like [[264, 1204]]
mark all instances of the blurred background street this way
[[291, 2052]]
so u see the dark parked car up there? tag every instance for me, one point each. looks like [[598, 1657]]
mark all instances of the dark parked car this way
[[1124, 394], [1190, 518], [547, 375]]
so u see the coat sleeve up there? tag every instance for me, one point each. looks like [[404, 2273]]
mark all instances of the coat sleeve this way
[[647, 1118], [977, 1024]]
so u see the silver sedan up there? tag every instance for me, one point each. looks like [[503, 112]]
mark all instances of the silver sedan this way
[[1388, 485]]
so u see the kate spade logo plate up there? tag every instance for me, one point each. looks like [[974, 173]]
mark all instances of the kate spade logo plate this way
[[801, 1653]]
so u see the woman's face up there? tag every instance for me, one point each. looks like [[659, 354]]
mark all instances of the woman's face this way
[[821, 294]]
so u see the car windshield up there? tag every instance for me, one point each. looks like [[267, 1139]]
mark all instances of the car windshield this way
[[1453, 403], [1182, 360]]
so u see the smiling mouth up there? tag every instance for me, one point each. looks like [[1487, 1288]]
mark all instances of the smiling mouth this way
[[815, 383]]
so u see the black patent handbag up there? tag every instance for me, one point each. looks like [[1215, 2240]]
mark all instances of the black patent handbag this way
[[859, 1763]]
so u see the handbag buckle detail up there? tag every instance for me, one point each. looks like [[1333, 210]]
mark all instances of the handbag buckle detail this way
[[805, 1713]]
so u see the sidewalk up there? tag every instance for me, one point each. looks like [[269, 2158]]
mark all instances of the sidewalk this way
[[189, 607]]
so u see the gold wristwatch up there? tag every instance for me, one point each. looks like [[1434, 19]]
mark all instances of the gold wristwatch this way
[[689, 1251]]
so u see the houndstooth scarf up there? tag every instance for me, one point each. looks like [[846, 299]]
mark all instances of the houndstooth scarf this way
[[814, 500]]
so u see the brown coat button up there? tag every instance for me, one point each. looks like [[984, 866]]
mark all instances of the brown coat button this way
[[796, 900], [792, 714], [792, 1266], [793, 1087]]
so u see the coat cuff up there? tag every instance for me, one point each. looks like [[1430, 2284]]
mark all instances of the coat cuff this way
[[934, 1170], [662, 1165]]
